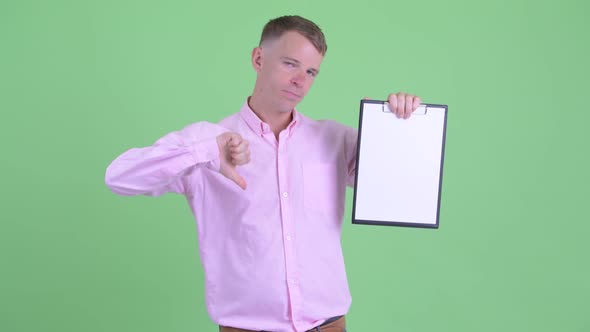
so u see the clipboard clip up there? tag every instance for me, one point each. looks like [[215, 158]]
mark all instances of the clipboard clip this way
[[421, 110]]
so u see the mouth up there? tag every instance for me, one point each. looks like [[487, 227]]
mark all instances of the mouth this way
[[291, 94]]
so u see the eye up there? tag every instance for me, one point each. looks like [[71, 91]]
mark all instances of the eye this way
[[289, 64], [311, 73]]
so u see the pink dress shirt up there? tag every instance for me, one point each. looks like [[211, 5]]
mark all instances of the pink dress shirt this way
[[271, 254]]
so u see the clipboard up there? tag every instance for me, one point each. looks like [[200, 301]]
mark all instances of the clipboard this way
[[399, 166]]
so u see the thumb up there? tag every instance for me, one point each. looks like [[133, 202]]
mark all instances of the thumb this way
[[233, 175]]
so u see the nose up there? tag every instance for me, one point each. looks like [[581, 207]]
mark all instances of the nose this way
[[298, 79]]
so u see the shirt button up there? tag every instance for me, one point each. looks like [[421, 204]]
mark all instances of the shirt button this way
[[285, 194], [288, 237]]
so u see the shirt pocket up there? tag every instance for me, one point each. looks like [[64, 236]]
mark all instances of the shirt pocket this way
[[321, 189]]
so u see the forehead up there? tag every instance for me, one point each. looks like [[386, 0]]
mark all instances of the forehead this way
[[294, 45]]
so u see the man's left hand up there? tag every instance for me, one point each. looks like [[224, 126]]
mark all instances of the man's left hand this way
[[402, 104]]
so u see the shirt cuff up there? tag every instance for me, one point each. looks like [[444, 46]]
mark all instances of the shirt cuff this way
[[207, 152]]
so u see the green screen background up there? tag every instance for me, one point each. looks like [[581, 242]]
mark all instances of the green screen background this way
[[83, 81]]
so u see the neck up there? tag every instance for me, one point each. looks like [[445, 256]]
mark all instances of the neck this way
[[276, 119]]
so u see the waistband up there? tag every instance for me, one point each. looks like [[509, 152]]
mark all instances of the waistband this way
[[331, 320]]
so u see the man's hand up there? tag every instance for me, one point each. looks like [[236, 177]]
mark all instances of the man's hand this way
[[233, 151], [403, 104]]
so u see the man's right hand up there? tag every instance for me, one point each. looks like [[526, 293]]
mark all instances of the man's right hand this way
[[233, 151]]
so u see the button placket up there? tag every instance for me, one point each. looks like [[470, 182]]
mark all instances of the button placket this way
[[288, 232]]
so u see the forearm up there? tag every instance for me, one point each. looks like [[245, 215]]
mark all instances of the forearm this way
[[157, 169]]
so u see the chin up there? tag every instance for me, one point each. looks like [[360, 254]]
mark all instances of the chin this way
[[286, 110], [287, 107]]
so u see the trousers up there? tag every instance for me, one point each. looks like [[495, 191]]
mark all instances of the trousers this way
[[335, 324]]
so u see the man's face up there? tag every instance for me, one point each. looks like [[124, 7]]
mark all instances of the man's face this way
[[286, 68]]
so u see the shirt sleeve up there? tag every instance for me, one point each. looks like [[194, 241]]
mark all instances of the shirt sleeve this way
[[159, 168], [350, 151]]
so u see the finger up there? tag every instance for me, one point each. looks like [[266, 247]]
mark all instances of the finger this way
[[234, 140], [235, 177], [392, 102], [409, 106], [417, 103], [401, 104], [241, 147], [241, 158]]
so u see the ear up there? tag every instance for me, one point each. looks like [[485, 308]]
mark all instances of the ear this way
[[257, 59]]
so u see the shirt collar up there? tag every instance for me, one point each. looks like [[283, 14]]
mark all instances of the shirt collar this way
[[260, 127]]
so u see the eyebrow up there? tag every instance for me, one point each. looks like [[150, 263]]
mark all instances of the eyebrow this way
[[298, 62]]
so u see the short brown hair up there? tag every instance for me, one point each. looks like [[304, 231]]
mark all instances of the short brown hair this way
[[276, 27]]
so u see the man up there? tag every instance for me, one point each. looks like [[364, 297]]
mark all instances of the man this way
[[267, 188]]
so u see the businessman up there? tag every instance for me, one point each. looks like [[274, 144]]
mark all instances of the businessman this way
[[267, 188]]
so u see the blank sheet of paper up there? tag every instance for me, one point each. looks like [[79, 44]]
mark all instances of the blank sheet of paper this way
[[399, 166]]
